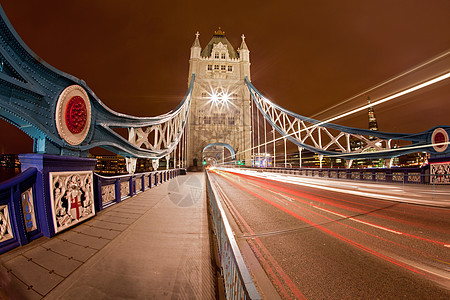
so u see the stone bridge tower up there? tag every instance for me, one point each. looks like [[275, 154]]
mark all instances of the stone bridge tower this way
[[220, 109]]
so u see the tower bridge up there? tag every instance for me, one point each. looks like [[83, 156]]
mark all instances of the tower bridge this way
[[220, 110], [222, 118]]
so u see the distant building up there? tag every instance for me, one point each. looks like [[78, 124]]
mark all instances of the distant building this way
[[8, 160], [373, 124], [110, 165]]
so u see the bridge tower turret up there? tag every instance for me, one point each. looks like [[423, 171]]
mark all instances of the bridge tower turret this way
[[220, 108]]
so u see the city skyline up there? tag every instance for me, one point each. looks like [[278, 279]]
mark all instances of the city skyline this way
[[305, 57]]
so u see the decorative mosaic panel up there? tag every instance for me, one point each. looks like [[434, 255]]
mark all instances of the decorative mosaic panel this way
[[333, 174], [108, 193], [138, 185], [397, 176], [308, 173], [380, 176], [440, 173], [29, 215], [315, 173], [367, 175], [414, 177], [5, 225], [124, 189], [356, 175], [343, 175], [72, 198], [147, 181]]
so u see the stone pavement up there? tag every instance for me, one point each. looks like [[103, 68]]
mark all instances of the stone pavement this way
[[152, 246]]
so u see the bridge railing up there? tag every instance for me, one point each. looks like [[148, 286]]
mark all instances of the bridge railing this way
[[393, 175], [18, 224], [22, 217], [109, 190], [237, 279]]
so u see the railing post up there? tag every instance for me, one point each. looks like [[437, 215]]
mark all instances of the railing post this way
[[117, 190], [98, 193], [18, 221], [57, 177]]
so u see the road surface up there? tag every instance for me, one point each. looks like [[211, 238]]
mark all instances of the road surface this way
[[325, 244]]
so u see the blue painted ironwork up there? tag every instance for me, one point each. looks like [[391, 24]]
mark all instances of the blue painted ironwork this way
[[15, 224], [29, 93], [107, 189], [298, 123], [237, 279], [231, 149], [28, 215]]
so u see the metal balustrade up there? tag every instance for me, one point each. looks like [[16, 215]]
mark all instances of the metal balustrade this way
[[22, 213], [237, 279], [114, 189], [18, 218], [394, 175]]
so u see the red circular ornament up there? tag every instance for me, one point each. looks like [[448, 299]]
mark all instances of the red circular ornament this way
[[76, 114], [439, 138]]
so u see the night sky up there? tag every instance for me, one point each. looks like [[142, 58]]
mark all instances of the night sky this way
[[305, 55]]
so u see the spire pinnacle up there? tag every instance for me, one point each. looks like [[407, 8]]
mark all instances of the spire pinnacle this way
[[196, 41], [243, 44]]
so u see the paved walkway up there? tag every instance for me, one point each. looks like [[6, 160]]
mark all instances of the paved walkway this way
[[152, 246]]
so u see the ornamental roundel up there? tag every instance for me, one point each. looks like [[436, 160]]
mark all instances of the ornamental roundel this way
[[439, 136], [73, 114]]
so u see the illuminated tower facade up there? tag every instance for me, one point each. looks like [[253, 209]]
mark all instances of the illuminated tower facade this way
[[220, 111], [373, 125]]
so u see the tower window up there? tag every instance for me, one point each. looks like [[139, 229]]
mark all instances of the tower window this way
[[231, 120], [223, 55], [216, 55], [216, 67], [204, 95], [230, 68], [209, 67], [222, 68]]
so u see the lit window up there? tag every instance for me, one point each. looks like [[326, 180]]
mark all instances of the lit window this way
[[223, 55], [222, 68], [216, 67], [216, 55], [209, 67], [230, 68]]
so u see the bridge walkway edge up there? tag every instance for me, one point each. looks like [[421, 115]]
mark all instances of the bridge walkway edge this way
[[155, 244]]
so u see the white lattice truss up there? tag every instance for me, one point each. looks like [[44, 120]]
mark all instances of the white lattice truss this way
[[313, 135], [164, 135]]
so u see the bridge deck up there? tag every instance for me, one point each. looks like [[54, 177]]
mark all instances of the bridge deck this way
[[154, 245]]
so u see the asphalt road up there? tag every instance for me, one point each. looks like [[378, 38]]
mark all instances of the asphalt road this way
[[323, 244]]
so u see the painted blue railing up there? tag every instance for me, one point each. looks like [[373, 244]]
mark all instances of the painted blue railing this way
[[23, 211], [19, 224], [237, 279], [394, 175], [114, 189]]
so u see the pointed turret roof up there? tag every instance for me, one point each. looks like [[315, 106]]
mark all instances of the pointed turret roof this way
[[197, 41], [219, 37], [243, 44]]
